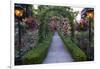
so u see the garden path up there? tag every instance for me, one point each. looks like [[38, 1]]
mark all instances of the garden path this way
[[57, 52]]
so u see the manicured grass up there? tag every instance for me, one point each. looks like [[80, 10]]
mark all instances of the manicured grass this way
[[38, 54], [76, 52]]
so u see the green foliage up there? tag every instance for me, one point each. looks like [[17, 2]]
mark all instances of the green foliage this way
[[82, 35], [38, 54], [45, 12], [76, 52]]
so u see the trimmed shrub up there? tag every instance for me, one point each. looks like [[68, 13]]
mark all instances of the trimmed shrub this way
[[76, 52], [38, 54]]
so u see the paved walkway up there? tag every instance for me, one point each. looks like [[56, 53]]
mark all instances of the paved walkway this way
[[57, 52]]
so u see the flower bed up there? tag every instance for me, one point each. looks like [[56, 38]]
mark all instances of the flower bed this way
[[38, 54]]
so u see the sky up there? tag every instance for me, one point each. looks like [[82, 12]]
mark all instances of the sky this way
[[79, 15], [36, 6]]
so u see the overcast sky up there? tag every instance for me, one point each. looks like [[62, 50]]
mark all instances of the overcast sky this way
[[79, 15]]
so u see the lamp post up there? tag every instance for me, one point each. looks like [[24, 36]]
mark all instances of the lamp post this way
[[90, 16], [18, 14]]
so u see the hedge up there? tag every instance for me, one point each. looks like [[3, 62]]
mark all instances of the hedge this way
[[76, 52], [38, 54]]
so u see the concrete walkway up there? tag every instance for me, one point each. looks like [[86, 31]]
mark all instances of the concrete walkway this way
[[57, 52]]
